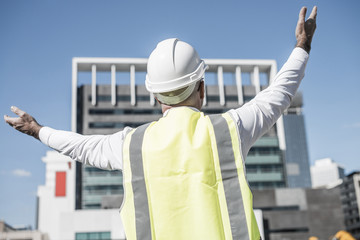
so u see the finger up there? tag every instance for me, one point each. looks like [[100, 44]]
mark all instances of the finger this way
[[12, 120], [313, 13], [6, 118], [9, 120], [302, 14], [17, 111]]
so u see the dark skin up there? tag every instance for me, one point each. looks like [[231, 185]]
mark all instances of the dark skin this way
[[304, 33], [25, 123], [305, 29]]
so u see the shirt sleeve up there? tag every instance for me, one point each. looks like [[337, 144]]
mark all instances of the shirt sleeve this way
[[256, 117], [101, 151]]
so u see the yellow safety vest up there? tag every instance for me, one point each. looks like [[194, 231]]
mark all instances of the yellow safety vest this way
[[184, 179]]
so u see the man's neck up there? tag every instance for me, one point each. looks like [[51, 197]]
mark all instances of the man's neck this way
[[167, 111], [165, 108]]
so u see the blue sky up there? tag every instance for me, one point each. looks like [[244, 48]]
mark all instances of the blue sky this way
[[40, 38]]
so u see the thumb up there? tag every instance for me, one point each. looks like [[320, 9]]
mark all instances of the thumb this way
[[313, 13], [17, 111]]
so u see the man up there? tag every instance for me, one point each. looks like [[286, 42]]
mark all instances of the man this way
[[184, 174]]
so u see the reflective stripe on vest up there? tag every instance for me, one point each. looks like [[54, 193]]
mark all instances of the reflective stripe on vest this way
[[138, 184], [191, 185], [229, 176]]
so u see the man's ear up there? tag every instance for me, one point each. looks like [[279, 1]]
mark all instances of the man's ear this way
[[202, 89]]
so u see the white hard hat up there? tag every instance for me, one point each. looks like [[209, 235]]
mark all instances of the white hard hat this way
[[173, 65]]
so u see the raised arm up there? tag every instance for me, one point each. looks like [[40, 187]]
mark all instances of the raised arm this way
[[256, 117], [101, 151]]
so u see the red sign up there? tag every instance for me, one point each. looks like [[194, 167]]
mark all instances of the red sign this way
[[60, 187]]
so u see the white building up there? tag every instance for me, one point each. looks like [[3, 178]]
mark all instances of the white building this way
[[57, 216], [326, 173]]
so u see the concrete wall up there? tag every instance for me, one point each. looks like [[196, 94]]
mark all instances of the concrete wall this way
[[325, 215], [8, 232], [23, 235]]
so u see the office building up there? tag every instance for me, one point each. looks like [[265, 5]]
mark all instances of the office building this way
[[350, 197], [296, 153], [326, 172], [109, 94], [299, 213]]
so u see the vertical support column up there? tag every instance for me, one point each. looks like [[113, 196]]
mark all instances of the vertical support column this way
[[205, 95], [152, 99], [272, 72], [281, 133], [132, 85], [113, 85], [280, 121], [93, 84], [74, 96], [239, 85], [356, 179], [221, 85], [255, 79]]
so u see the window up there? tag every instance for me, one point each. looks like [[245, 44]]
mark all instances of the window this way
[[93, 236], [214, 111], [248, 98], [264, 151], [103, 190], [120, 98], [215, 98], [251, 169], [114, 124], [124, 111], [266, 168]]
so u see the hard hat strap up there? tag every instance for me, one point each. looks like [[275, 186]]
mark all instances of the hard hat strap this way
[[171, 99]]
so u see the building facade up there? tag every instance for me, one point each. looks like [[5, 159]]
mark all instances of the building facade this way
[[296, 153], [112, 95], [350, 197], [109, 94], [299, 213]]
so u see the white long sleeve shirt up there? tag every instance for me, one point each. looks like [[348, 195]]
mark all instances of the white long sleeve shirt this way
[[253, 120]]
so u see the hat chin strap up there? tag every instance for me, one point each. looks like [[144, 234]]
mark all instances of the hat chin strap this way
[[171, 99]]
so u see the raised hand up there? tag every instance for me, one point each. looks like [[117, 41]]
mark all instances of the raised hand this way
[[305, 29], [25, 123]]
